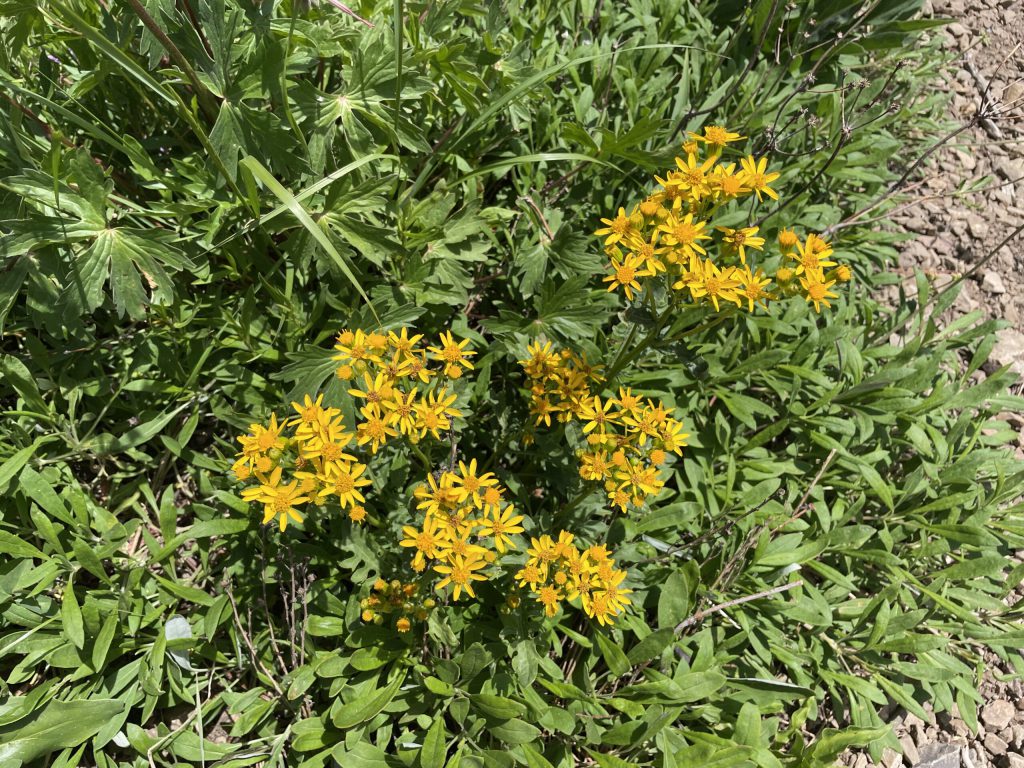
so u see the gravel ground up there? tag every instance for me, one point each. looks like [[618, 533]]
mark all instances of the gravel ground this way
[[971, 199], [955, 227]]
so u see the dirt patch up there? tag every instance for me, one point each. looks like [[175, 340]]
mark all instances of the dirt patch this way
[[972, 196]]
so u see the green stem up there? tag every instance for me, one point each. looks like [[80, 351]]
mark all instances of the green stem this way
[[624, 358], [207, 102], [577, 500], [422, 456]]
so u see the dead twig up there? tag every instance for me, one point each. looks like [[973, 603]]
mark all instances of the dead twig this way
[[253, 656], [540, 217], [700, 615], [732, 566], [346, 10], [986, 87], [802, 506]]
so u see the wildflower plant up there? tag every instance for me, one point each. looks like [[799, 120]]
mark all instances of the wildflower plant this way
[[627, 437], [464, 521], [672, 239]]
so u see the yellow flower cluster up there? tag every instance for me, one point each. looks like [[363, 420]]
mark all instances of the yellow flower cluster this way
[[467, 525], [628, 436], [667, 235], [557, 570], [559, 382], [402, 395], [400, 392], [396, 599], [311, 447]]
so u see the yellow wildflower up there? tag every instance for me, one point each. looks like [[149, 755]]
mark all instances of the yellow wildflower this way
[[736, 241], [618, 228], [461, 573], [757, 178], [817, 291], [625, 271]]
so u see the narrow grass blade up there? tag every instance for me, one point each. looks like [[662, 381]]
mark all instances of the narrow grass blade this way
[[261, 174]]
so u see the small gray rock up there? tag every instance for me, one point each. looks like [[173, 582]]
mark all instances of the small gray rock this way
[[939, 756], [993, 283], [1011, 170], [1012, 92], [966, 160], [909, 748], [1018, 730], [1013, 761], [997, 714], [995, 745], [977, 226], [1009, 350], [891, 758]]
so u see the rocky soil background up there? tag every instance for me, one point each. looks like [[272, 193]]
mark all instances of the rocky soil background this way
[[972, 196], [971, 199]]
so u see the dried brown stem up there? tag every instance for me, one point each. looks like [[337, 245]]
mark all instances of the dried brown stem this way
[[751, 62], [253, 656], [801, 507], [898, 184], [700, 615]]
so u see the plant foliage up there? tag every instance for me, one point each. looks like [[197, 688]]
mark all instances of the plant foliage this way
[[196, 196]]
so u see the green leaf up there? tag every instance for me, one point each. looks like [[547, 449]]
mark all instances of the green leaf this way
[[41, 492], [16, 547], [362, 755], [651, 646], [515, 731], [434, 750], [674, 601], [831, 742], [613, 655], [253, 165], [101, 647], [17, 375], [748, 726], [133, 261], [13, 465], [497, 707], [368, 706], [534, 759], [699, 685], [106, 444], [71, 616], [58, 725]]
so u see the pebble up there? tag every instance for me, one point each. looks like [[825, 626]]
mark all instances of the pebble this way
[[1009, 350], [1018, 730], [891, 758], [939, 756], [993, 283], [998, 714], [995, 745], [977, 226], [1013, 761], [967, 161], [1012, 92], [909, 749], [1011, 170]]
